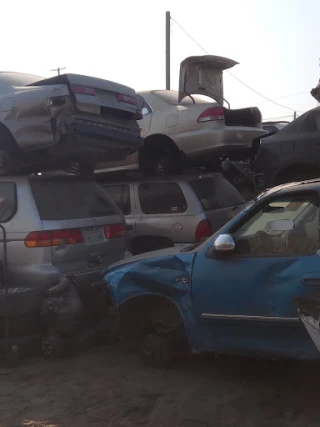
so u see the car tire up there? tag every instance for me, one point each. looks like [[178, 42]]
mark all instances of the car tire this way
[[159, 162], [157, 351], [51, 346]]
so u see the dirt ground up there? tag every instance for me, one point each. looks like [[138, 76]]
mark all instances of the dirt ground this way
[[108, 387]]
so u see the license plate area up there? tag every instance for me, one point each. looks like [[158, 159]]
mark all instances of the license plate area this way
[[93, 235]]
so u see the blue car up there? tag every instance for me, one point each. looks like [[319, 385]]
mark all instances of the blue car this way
[[236, 293]]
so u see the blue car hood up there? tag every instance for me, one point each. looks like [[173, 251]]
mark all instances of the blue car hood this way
[[166, 272]]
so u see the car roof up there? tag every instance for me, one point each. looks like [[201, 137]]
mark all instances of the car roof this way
[[117, 178], [307, 185], [57, 178]]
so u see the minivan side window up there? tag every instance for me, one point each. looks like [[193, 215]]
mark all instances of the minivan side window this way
[[216, 193], [120, 194], [161, 198], [8, 201]]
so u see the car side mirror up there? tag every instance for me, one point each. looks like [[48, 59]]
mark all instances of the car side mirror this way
[[224, 244]]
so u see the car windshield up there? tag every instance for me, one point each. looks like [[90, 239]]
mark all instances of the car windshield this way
[[216, 193]]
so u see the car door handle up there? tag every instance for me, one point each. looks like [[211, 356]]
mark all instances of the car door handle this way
[[129, 227], [311, 279]]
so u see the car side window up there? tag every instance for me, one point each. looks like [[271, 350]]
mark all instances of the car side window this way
[[146, 109], [8, 201], [120, 194], [287, 226], [161, 198]]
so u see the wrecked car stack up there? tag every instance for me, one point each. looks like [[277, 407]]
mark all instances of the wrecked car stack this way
[[58, 225], [65, 122]]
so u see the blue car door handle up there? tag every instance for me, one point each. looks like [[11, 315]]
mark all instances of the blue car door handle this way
[[311, 279]]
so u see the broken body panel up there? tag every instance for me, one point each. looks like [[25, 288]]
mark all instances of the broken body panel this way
[[230, 304], [70, 115]]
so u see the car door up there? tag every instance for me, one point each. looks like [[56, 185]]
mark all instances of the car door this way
[[160, 207], [245, 301]]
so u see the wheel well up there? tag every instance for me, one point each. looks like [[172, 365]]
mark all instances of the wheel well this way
[[163, 142], [148, 313], [309, 170], [158, 242]]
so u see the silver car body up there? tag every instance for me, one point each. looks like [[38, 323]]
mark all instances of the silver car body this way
[[176, 115], [172, 228], [68, 114], [56, 226]]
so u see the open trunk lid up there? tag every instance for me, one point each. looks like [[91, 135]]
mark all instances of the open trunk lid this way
[[102, 95], [203, 75], [76, 205]]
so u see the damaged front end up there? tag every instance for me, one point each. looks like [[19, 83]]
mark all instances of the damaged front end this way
[[309, 314], [152, 294]]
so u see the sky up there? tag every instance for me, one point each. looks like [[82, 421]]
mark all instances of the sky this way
[[276, 42]]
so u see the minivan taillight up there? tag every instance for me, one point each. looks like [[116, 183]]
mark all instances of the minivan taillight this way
[[211, 114], [82, 90], [41, 239], [114, 230], [204, 230]]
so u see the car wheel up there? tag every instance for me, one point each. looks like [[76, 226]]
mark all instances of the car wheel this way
[[51, 346], [157, 351], [159, 162]]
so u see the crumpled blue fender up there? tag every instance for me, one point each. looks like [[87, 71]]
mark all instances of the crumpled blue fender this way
[[168, 276]]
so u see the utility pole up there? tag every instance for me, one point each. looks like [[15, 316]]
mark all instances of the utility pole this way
[[58, 69], [294, 115], [168, 43]]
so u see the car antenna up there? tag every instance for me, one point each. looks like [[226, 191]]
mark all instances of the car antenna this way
[[58, 69]]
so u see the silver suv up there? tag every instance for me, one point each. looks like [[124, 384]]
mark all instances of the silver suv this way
[[58, 225], [170, 211]]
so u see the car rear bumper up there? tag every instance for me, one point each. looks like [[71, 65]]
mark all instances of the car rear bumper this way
[[26, 299], [101, 138], [221, 140]]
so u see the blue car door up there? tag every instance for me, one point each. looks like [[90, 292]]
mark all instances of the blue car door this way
[[245, 301]]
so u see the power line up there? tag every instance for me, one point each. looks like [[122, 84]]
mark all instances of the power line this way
[[235, 77], [277, 118], [286, 96]]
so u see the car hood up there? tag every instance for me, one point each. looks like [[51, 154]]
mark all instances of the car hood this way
[[144, 256], [203, 75], [166, 272]]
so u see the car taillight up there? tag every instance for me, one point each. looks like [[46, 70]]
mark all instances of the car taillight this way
[[211, 114], [82, 90], [139, 115], [40, 239], [126, 99], [204, 230], [114, 230]]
